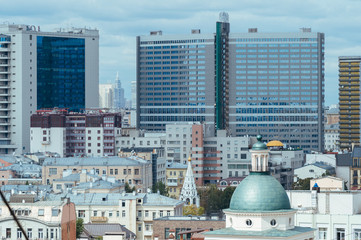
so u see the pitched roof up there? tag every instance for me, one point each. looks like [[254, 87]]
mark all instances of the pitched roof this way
[[96, 230], [343, 160]]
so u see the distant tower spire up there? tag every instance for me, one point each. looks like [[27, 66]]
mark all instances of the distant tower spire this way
[[189, 189]]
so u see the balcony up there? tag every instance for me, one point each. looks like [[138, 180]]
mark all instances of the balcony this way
[[147, 233], [98, 219], [4, 49]]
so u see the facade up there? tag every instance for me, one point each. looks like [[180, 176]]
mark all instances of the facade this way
[[349, 101], [41, 219], [328, 183], [356, 168], [119, 99], [332, 137], [135, 171], [334, 214], [245, 83], [43, 70], [162, 227], [314, 170], [106, 95], [75, 134], [175, 176], [213, 157], [260, 207], [136, 211]]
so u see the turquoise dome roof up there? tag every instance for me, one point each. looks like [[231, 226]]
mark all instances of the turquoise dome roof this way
[[259, 145], [259, 192]]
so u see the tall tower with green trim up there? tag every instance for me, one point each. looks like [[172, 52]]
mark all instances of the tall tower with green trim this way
[[222, 71]]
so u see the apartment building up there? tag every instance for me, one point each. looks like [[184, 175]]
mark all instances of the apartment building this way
[[43, 70], [246, 83], [136, 211], [175, 176], [135, 171], [349, 101], [75, 134]]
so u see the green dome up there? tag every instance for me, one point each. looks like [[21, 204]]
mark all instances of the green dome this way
[[259, 192], [259, 145]]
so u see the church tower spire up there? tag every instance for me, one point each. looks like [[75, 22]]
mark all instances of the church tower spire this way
[[189, 189]]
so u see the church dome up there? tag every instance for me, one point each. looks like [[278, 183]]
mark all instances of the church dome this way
[[259, 145], [259, 192]]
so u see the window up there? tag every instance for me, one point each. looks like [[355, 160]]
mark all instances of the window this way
[[30, 233], [58, 186], [139, 227], [8, 233], [139, 213], [123, 213], [81, 213], [118, 213], [357, 234], [273, 222], [53, 171], [110, 214], [136, 171], [54, 212], [146, 213], [116, 171], [160, 213], [168, 213], [249, 222], [95, 213], [340, 233], [41, 212], [40, 233], [19, 233], [154, 215], [322, 233], [123, 203]]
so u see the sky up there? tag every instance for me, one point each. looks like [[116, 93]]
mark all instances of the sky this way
[[120, 21]]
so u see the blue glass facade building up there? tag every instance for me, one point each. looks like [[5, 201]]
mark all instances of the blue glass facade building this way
[[60, 72], [247, 83]]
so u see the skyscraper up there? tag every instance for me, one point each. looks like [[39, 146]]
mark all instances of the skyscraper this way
[[246, 83], [349, 91], [43, 70], [119, 100]]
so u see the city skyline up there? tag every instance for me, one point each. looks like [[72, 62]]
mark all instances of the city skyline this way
[[119, 23]]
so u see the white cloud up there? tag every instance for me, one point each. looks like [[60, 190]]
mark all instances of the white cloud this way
[[120, 21]]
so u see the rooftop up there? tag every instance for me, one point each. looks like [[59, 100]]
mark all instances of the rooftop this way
[[95, 161], [268, 233]]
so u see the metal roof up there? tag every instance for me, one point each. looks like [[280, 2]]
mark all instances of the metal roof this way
[[95, 161]]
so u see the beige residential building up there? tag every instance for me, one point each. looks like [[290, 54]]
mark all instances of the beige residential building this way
[[135, 211], [328, 183], [175, 174], [132, 170]]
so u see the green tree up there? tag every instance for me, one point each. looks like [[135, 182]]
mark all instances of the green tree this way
[[193, 210], [128, 189], [79, 227], [159, 186], [302, 184], [214, 200]]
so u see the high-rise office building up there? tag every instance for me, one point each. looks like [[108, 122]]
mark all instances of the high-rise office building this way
[[349, 83], [246, 83], [106, 95], [119, 99], [43, 70]]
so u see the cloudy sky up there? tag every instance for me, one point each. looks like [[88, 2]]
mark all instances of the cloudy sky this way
[[120, 21]]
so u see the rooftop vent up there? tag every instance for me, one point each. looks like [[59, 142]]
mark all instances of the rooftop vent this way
[[160, 33], [252, 30], [305, 29], [196, 31]]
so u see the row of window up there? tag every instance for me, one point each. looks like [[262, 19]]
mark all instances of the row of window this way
[[49, 233]]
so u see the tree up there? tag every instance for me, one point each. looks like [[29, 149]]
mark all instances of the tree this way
[[79, 227], [159, 186], [193, 210], [128, 189], [214, 200], [302, 184]]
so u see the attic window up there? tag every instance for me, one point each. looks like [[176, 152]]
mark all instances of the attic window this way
[[139, 200]]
